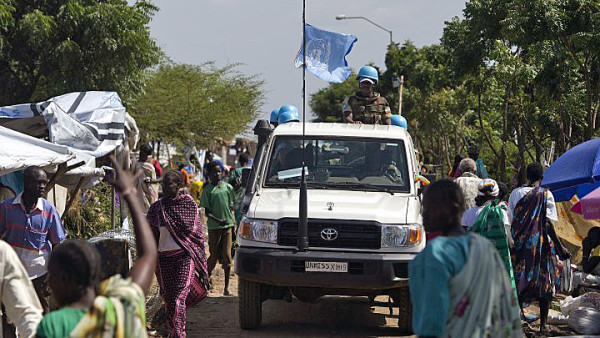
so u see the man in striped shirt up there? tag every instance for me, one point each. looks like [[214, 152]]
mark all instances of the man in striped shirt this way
[[32, 226]]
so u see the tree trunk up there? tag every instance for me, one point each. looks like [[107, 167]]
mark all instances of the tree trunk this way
[[522, 147], [591, 111], [502, 162], [487, 137]]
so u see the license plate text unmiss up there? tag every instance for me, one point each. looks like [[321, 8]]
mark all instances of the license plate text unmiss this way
[[326, 266]]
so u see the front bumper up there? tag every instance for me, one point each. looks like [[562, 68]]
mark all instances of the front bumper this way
[[366, 271]]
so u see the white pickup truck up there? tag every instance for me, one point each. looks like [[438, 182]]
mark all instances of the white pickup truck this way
[[364, 222]]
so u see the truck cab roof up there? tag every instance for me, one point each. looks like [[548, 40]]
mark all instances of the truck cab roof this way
[[343, 129]]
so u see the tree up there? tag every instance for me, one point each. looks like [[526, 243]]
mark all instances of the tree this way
[[197, 105], [326, 103], [48, 48]]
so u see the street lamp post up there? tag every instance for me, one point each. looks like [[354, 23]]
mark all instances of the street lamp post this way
[[345, 17], [399, 83]]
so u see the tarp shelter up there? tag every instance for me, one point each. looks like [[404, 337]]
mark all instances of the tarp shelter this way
[[572, 228], [90, 124], [21, 151]]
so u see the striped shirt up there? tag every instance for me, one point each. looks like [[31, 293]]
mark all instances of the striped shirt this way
[[32, 234]]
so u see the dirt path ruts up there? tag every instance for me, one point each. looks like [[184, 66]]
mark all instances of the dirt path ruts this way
[[217, 316]]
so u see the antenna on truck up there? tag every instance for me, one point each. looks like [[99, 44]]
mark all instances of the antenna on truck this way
[[302, 211]]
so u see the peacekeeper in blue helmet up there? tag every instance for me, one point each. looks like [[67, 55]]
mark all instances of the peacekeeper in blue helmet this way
[[400, 121], [288, 113], [367, 106], [274, 117]]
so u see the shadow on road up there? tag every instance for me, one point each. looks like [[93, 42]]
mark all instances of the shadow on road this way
[[328, 317]]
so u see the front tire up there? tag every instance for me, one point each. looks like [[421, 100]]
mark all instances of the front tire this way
[[250, 304], [404, 311]]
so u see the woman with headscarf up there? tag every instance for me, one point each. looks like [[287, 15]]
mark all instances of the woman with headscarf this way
[[181, 269], [490, 219]]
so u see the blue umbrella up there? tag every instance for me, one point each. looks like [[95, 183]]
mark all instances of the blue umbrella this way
[[577, 171]]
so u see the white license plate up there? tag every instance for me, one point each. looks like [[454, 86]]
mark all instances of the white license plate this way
[[326, 266]]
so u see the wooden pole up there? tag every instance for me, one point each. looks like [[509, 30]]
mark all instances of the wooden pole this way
[[72, 197], [62, 168], [112, 198]]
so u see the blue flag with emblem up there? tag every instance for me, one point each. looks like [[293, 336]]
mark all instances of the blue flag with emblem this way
[[326, 54]]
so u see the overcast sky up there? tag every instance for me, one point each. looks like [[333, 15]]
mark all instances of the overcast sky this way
[[265, 35]]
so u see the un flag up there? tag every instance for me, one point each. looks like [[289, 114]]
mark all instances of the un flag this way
[[326, 54]]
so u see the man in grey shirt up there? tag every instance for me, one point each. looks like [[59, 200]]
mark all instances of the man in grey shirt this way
[[468, 181]]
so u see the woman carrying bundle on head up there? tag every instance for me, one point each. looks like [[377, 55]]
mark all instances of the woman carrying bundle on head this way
[[181, 270], [490, 219]]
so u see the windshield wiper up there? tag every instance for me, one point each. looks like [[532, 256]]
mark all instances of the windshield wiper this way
[[282, 185], [320, 185], [295, 185], [364, 185]]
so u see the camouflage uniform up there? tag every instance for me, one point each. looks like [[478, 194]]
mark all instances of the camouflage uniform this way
[[368, 110]]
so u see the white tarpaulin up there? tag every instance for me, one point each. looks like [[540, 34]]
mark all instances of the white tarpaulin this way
[[19, 151], [92, 123]]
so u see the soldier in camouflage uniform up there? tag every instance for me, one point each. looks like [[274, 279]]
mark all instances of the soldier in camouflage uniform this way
[[366, 106]]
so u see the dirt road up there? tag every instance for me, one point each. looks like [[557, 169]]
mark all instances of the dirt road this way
[[217, 316]]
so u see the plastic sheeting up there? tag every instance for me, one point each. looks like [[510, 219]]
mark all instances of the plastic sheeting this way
[[21, 151], [91, 124]]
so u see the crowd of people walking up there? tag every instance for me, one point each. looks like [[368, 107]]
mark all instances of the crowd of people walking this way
[[489, 257], [488, 260], [37, 261]]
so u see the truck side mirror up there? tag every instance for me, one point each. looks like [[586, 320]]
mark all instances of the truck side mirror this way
[[245, 176]]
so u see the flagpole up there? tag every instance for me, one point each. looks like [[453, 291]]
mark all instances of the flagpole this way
[[303, 212]]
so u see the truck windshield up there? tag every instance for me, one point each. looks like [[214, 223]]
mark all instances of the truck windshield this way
[[343, 164]]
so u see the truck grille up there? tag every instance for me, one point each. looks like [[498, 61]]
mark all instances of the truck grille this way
[[351, 234]]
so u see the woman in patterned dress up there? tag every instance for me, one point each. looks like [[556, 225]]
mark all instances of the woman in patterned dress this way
[[181, 269]]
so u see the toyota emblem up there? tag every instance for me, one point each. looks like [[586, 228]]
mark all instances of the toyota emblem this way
[[330, 206], [329, 234]]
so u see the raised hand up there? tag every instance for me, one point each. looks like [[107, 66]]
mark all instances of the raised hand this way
[[126, 176]]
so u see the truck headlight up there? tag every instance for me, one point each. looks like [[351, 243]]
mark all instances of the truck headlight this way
[[259, 230], [400, 235]]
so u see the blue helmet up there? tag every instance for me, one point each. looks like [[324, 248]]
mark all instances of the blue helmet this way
[[274, 115], [369, 73], [288, 113], [400, 121]]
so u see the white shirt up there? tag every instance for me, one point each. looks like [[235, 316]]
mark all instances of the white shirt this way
[[470, 216], [519, 193], [17, 293], [166, 242]]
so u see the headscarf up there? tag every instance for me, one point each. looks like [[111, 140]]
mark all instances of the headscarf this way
[[488, 187]]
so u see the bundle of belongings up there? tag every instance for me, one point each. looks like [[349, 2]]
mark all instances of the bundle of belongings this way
[[582, 313]]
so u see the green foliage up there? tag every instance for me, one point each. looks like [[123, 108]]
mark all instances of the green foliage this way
[[327, 102], [197, 105], [91, 216], [50, 48], [518, 78]]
